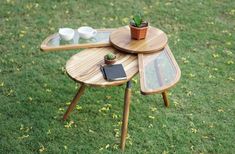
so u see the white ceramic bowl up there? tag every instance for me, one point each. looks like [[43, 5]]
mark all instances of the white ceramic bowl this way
[[66, 33], [86, 32]]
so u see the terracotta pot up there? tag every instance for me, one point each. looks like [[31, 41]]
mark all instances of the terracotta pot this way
[[138, 33], [109, 62]]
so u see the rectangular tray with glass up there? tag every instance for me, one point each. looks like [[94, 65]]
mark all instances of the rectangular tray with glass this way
[[55, 43]]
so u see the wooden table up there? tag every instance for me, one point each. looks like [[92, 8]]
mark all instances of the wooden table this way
[[155, 63]]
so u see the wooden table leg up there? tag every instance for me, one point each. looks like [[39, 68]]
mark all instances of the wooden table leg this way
[[74, 101], [127, 102], [164, 95]]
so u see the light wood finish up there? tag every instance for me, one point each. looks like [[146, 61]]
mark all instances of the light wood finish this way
[[45, 47], [74, 101], [154, 41], [164, 96], [84, 67], [127, 101], [144, 59]]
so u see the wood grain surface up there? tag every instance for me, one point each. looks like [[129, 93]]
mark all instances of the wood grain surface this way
[[84, 67], [154, 41]]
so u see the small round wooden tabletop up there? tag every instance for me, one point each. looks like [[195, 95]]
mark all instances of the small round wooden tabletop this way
[[155, 40], [84, 67]]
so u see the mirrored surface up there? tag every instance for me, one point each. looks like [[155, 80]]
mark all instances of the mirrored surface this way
[[101, 36], [158, 70]]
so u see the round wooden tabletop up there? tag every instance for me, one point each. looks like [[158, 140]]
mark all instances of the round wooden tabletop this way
[[155, 40], [84, 67]]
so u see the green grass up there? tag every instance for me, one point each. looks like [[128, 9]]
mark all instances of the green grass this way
[[34, 88]]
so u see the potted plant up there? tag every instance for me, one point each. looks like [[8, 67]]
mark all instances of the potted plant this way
[[138, 27], [110, 58]]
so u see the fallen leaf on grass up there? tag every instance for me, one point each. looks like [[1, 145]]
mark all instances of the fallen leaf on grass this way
[[48, 132], [78, 107], [230, 62], [206, 137], [191, 75], [69, 124], [153, 109], [215, 55], [185, 61], [230, 78], [115, 146], [165, 152], [101, 149], [211, 76], [22, 137], [42, 148], [114, 116], [194, 130], [108, 97], [220, 110], [105, 108], [215, 69], [30, 98], [151, 117], [135, 81], [91, 131], [107, 146], [65, 147], [150, 126]]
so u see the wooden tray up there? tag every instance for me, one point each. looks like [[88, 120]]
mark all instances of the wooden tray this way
[[158, 71], [54, 43], [154, 41]]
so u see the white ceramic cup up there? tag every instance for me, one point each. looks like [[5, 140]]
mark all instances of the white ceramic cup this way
[[86, 32], [66, 33]]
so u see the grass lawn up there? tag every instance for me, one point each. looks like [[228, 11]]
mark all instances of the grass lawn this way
[[35, 90]]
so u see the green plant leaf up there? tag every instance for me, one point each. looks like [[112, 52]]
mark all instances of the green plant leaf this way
[[138, 20]]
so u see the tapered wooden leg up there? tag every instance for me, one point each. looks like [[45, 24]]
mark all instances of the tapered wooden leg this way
[[164, 95], [74, 101], [127, 102]]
